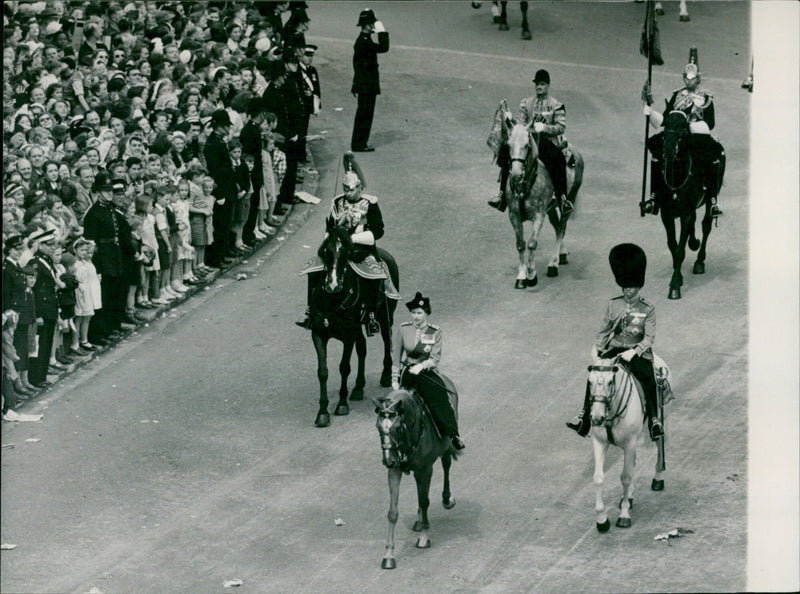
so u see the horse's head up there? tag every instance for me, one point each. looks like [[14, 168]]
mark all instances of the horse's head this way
[[601, 389], [676, 129], [334, 255], [522, 151], [392, 428]]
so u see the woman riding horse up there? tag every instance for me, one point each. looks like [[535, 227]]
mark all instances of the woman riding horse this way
[[419, 349]]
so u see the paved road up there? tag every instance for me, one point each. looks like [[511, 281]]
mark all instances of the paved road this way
[[188, 456]]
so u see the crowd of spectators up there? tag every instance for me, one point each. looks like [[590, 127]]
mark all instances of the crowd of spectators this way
[[146, 145]]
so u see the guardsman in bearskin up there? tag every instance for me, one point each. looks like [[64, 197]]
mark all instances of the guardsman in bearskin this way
[[628, 330], [416, 362], [361, 216], [698, 105], [549, 118]]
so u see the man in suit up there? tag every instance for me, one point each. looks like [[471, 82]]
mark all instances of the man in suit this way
[[250, 137], [312, 93], [220, 167], [366, 80]]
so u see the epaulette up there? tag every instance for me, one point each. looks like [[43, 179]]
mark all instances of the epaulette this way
[[434, 326], [370, 198], [618, 297], [407, 324], [645, 301]]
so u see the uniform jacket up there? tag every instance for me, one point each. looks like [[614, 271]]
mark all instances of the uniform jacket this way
[[697, 104], [631, 326], [15, 293], [250, 137], [366, 79], [286, 102], [45, 288], [102, 225], [550, 112], [312, 91], [242, 174], [220, 167], [423, 345], [362, 215]]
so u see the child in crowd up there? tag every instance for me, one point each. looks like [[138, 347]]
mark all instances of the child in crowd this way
[[274, 161], [185, 255], [176, 273], [241, 206], [12, 389], [165, 295], [67, 300], [87, 296], [58, 335], [26, 327], [199, 211], [144, 207], [208, 184]]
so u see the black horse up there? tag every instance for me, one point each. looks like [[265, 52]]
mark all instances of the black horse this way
[[337, 312], [683, 181]]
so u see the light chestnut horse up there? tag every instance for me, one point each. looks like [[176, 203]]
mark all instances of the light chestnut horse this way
[[617, 419], [531, 198], [411, 443]]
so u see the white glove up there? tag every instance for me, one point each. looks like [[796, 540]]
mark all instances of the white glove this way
[[699, 127], [538, 127], [379, 28], [627, 355], [647, 110], [415, 369]]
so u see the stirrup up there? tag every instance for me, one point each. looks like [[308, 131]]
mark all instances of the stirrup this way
[[499, 202], [715, 211], [578, 425], [656, 429], [305, 321], [566, 206], [457, 443], [373, 326]]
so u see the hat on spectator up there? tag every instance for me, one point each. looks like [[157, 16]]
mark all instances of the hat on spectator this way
[[12, 189], [13, 242], [220, 118], [310, 49], [103, 182], [117, 82], [33, 197], [32, 211], [185, 56], [263, 44], [30, 269], [118, 185]]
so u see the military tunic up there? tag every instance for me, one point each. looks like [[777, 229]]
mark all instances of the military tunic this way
[[548, 111], [362, 215], [698, 105], [628, 326]]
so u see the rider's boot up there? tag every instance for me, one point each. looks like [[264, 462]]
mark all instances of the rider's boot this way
[[500, 203], [457, 443], [717, 169], [373, 327], [582, 423], [656, 428]]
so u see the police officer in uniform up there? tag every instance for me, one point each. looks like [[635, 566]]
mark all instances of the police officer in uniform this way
[[366, 80], [416, 361], [360, 214], [698, 105], [628, 330], [220, 167], [549, 118]]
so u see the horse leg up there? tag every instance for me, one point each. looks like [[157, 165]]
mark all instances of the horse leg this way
[[394, 495], [559, 255], [626, 478], [423, 478], [601, 518], [516, 223], [526, 32], [700, 264], [342, 408], [361, 355], [503, 16], [672, 243], [687, 224], [386, 336], [533, 243], [661, 468], [447, 501], [683, 12], [321, 346]]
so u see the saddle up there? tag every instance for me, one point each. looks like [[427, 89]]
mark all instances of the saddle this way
[[370, 268], [663, 377]]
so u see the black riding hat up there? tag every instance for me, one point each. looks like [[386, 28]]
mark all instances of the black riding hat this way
[[628, 263], [542, 76], [420, 302]]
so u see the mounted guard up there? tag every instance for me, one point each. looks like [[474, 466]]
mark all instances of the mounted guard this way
[[360, 217], [698, 105], [548, 117]]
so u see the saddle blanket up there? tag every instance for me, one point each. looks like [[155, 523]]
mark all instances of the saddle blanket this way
[[369, 268]]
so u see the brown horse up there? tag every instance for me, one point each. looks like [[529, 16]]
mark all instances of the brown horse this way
[[531, 198], [411, 443]]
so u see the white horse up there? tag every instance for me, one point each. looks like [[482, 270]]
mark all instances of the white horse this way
[[618, 419]]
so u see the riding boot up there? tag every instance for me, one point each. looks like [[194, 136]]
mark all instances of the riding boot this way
[[313, 282], [656, 428], [651, 206], [372, 289], [717, 170], [500, 203], [582, 423]]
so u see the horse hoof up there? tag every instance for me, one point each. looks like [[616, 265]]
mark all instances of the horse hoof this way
[[532, 282], [323, 420], [388, 564], [526, 35], [699, 268], [520, 283], [552, 271], [674, 294], [449, 504], [425, 545], [342, 410], [657, 485], [604, 526], [358, 394], [623, 522], [694, 244], [386, 381], [562, 259]]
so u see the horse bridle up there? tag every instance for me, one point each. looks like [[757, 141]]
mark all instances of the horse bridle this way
[[386, 421], [675, 189], [605, 399]]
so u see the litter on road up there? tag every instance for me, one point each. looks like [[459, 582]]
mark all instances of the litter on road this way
[[232, 583], [674, 533], [11, 415]]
